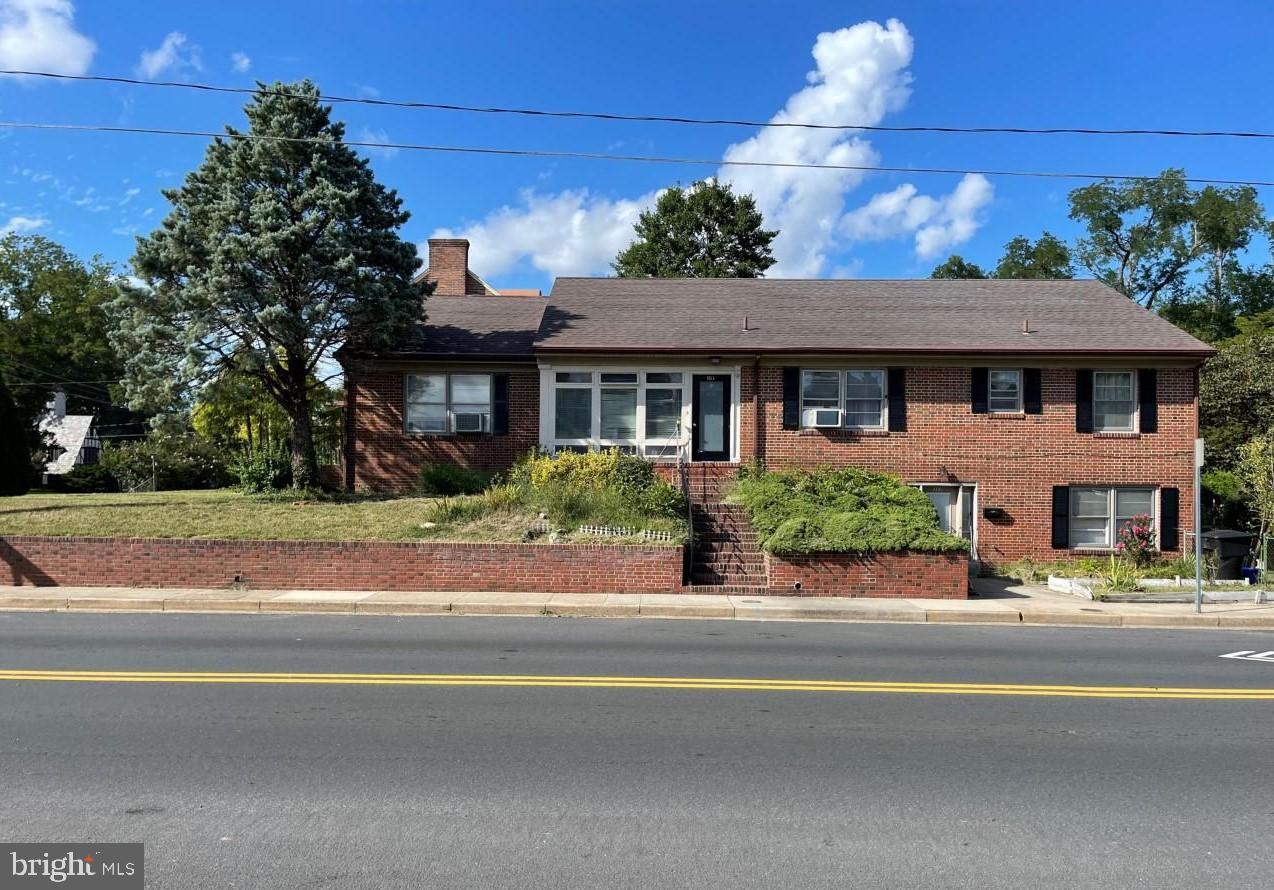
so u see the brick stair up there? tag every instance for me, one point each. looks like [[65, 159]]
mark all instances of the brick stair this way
[[708, 481], [726, 556]]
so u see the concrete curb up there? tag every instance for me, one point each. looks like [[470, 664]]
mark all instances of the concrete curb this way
[[847, 610]]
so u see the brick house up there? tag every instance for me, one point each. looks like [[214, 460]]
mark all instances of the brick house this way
[[1037, 415]]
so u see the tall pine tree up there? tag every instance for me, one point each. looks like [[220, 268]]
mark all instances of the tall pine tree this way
[[278, 249]]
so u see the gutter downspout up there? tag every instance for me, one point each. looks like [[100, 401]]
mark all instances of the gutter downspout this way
[[758, 444]]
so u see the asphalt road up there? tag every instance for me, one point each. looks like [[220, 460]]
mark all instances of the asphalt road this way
[[376, 786]]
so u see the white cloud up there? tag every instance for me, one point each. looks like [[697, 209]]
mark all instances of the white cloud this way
[[370, 134], [241, 62], [570, 233], [176, 54], [22, 224], [938, 223], [860, 76], [40, 35]]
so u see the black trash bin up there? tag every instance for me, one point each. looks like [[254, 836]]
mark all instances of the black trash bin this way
[[1230, 549]]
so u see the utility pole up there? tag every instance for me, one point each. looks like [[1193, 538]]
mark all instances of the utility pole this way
[[1198, 525]]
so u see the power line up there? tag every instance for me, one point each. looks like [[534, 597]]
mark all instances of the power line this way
[[644, 118], [12, 364], [69, 382], [601, 156]]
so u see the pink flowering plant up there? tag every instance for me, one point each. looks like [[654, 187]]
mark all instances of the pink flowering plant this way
[[1137, 540]]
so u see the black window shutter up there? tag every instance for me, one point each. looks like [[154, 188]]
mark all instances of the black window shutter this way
[[1032, 391], [1061, 517], [978, 385], [1169, 519], [897, 400], [1083, 401], [500, 404], [1148, 397], [791, 398]]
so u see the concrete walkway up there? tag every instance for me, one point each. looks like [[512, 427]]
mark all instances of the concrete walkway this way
[[996, 602]]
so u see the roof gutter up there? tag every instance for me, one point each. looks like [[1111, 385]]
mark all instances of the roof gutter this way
[[871, 350]]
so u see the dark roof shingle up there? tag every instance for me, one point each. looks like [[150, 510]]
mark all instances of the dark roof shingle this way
[[853, 315], [474, 327]]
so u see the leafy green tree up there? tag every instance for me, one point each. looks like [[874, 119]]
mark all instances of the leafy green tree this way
[[1237, 395], [280, 248], [238, 414], [1243, 301], [704, 231], [15, 451], [54, 328], [1146, 237], [1256, 469], [1049, 257], [956, 266]]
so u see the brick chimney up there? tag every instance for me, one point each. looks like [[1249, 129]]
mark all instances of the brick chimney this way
[[449, 264]]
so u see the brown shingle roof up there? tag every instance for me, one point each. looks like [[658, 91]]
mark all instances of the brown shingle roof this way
[[475, 327], [803, 315]]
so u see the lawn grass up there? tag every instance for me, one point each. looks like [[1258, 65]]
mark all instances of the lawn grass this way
[[224, 513], [229, 514]]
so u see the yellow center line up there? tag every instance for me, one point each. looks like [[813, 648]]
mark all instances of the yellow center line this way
[[602, 682]]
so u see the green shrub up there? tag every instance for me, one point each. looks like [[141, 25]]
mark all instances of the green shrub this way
[[1225, 502], [85, 479], [502, 498], [180, 460], [264, 470], [1120, 574], [447, 480], [599, 488], [840, 511], [662, 499]]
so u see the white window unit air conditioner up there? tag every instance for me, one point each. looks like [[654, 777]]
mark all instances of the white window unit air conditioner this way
[[824, 418], [470, 423]]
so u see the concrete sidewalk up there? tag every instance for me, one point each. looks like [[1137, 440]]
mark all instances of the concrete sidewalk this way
[[996, 602]]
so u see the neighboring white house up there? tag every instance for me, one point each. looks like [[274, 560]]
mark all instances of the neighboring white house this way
[[73, 437]]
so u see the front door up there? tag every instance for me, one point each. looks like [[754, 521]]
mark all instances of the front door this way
[[954, 504], [710, 417]]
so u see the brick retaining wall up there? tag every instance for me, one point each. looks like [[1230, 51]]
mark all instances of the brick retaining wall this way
[[339, 565], [928, 575]]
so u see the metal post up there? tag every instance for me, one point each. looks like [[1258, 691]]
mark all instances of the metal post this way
[[1198, 525]]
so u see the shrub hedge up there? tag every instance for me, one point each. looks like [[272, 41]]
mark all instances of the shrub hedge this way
[[599, 488], [840, 511], [447, 480]]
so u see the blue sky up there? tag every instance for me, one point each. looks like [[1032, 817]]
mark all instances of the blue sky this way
[[1126, 64]]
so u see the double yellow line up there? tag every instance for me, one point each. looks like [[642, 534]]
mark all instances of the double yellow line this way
[[695, 683]]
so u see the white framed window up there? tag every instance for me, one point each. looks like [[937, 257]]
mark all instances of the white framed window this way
[[1004, 391], [573, 407], [447, 403], [638, 412], [1114, 401], [1097, 514], [857, 393]]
